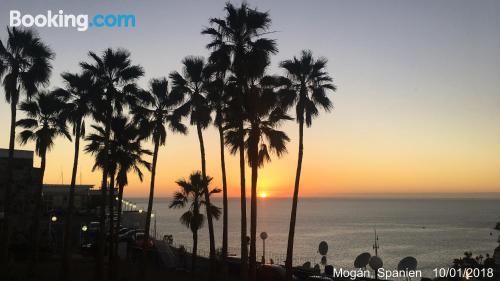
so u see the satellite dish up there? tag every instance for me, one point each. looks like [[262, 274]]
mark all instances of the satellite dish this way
[[376, 263], [263, 235], [408, 264], [362, 260], [323, 248]]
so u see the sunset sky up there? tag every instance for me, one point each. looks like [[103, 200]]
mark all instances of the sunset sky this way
[[417, 107]]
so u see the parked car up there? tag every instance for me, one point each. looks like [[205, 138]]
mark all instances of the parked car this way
[[129, 235], [139, 241]]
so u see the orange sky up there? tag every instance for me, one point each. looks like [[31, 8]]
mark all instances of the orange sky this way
[[338, 159]]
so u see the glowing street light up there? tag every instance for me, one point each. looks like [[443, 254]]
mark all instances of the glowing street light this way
[[84, 228], [53, 218]]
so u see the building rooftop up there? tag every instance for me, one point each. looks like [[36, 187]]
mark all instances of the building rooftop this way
[[19, 154], [65, 187]]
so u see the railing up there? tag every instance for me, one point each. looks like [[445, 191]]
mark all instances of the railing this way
[[277, 258]]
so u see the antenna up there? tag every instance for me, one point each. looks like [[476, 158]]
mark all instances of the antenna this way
[[375, 245]]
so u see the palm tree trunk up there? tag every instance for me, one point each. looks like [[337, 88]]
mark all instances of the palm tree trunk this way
[[244, 249], [151, 196], [224, 195], [253, 212], [112, 228], [118, 217], [151, 190], [293, 217], [8, 183], [102, 230], [38, 211], [207, 200], [193, 255], [66, 258]]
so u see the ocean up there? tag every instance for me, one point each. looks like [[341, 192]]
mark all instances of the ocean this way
[[434, 231]]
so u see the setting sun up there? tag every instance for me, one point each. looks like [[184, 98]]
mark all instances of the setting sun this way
[[263, 195]]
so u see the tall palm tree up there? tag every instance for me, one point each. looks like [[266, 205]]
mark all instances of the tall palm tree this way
[[25, 65], [240, 33], [80, 90], [192, 83], [218, 101], [262, 136], [117, 75], [220, 62], [153, 114], [193, 193], [306, 86], [45, 121]]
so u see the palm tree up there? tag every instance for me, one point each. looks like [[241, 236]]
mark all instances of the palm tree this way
[[78, 94], [152, 115], [126, 152], [240, 34], [261, 134], [45, 121], [24, 66], [218, 101], [220, 62], [193, 83], [305, 86], [129, 159], [193, 193], [117, 75]]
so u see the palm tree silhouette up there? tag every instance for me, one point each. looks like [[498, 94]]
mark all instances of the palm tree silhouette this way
[[78, 95], [45, 121], [194, 193], [240, 33], [117, 75], [261, 134], [193, 84], [305, 86], [153, 114], [220, 63], [96, 147], [25, 66], [218, 101], [126, 152], [129, 158]]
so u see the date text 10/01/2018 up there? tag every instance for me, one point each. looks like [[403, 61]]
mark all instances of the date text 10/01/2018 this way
[[463, 272]]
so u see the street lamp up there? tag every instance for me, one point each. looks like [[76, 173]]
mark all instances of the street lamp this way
[[53, 219], [84, 229], [263, 236], [152, 215]]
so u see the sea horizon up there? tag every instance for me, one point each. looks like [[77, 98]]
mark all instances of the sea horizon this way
[[368, 196]]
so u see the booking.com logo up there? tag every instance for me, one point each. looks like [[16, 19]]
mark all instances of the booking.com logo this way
[[80, 22]]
